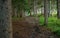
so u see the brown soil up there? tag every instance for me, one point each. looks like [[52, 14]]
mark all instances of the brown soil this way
[[24, 29]]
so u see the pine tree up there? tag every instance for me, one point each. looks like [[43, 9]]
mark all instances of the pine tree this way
[[5, 19]]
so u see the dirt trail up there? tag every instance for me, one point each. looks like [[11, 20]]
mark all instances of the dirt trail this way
[[24, 29]]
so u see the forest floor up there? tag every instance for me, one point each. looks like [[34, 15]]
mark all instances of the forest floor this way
[[30, 28]]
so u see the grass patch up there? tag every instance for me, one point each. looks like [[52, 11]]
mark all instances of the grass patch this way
[[53, 24]]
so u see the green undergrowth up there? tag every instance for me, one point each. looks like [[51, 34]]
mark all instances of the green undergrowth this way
[[53, 24]]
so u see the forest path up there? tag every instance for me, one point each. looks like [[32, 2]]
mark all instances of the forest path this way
[[26, 28]]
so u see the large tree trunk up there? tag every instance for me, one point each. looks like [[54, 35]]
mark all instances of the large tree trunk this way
[[46, 11], [5, 19], [58, 9]]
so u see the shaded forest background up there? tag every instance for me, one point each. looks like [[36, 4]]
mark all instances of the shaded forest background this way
[[47, 12], [29, 18]]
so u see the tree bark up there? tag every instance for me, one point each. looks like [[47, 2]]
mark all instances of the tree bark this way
[[5, 19], [35, 7], [48, 8], [46, 11], [42, 10], [14, 13], [58, 9], [22, 14]]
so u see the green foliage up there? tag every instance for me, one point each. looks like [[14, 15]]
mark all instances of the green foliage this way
[[25, 5], [20, 4], [53, 24]]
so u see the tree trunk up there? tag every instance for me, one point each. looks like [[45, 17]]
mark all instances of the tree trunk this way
[[58, 9], [35, 7], [48, 8], [30, 13], [42, 11], [15, 14], [5, 19], [46, 11], [13, 11], [22, 13]]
